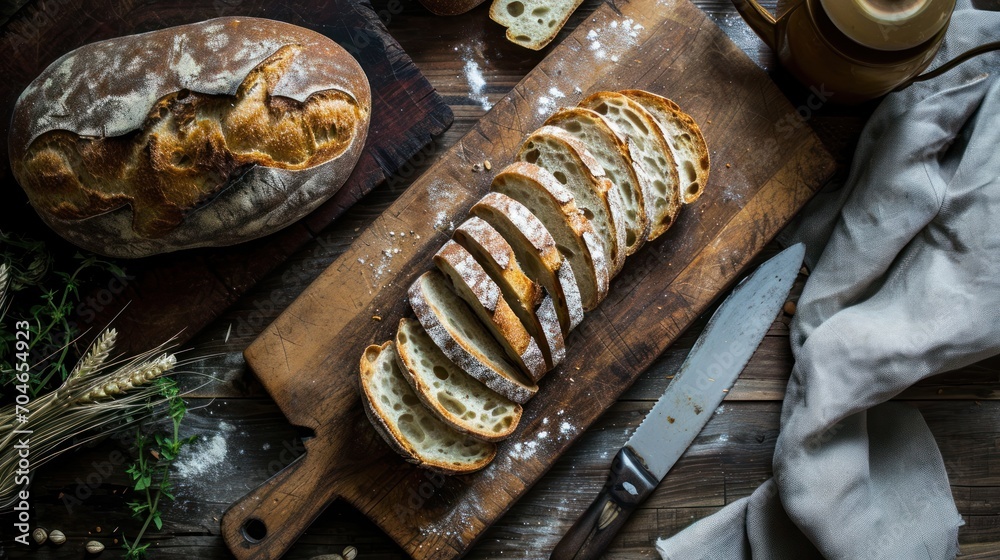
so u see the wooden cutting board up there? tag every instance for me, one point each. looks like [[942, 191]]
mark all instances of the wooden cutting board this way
[[183, 292], [766, 165]]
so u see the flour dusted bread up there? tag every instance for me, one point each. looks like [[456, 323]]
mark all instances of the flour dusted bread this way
[[407, 425], [556, 209], [684, 137], [650, 151], [615, 157], [536, 252], [207, 134], [450, 393], [468, 279], [588, 188], [526, 297], [460, 335]]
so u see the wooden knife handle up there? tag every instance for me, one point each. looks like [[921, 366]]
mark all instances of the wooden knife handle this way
[[628, 486], [265, 523]]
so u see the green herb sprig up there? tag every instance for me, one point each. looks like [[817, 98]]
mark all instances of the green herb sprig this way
[[151, 471], [46, 299]]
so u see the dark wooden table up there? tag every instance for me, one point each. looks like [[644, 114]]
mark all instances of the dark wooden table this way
[[245, 438]]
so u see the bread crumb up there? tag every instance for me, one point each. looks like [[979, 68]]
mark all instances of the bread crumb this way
[[487, 165], [477, 167], [728, 165], [376, 317]]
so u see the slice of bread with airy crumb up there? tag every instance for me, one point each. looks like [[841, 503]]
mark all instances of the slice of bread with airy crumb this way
[[468, 279], [455, 330], [650, 151], [451, 394], [408, 426], [534, 307], [615, 158], [554, 206], [572, 164], [535, 250], [532, 23], [684, 137]]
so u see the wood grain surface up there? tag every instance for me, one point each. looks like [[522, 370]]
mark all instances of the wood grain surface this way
[[245, 438], [182, 292], [307, 359]]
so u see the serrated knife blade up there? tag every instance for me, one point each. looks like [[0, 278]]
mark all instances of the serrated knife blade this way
[[710, 369]]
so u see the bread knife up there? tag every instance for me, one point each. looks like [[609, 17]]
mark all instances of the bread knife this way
[[710, 369]]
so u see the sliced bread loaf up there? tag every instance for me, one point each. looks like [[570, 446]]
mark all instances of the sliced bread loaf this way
[[407, 425], [650, 151], [555, 208], [532, 23], [684, 136], [468, 279], [615, 158], [534, 307], [535, 250], [455, 330], [451, 394], [572, 164]]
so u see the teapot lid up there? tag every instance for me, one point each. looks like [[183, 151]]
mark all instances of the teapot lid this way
[[889, 25]]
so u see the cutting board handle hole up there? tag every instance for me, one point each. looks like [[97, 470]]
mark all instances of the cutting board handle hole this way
[[254, 530]]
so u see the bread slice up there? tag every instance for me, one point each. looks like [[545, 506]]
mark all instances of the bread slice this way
[[615, 158], [572, 164], [535, 250], [684, 137], [556, 209], [408, 426], [468, 279], [650, 151], [525, 296], [457, 332], [532, 23], [451, 394]]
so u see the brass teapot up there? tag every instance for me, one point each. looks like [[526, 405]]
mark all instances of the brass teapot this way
[[856, 50]]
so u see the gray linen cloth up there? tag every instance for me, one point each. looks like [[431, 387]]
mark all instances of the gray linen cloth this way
[[906, 284]]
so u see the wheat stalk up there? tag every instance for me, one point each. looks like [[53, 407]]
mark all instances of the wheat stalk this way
[[96, 356], [4, 278], [89, 399]]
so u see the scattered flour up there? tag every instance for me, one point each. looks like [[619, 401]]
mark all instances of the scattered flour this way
[[474, 77], [732, 193], [611, 41], [547, 103], [440, 196], [206, 454], [565, 428], [526, 450]]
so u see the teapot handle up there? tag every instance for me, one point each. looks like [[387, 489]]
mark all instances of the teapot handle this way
[[759, 19], [981, 49]]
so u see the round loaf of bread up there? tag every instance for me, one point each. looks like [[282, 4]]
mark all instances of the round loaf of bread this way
[[207, 134]]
